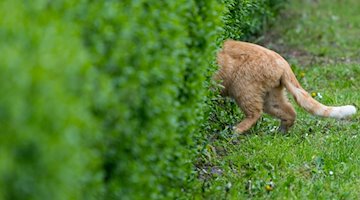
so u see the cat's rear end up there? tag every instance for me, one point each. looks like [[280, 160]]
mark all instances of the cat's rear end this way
[[255, 77]]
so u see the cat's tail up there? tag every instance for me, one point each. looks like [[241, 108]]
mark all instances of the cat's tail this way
[[311, 105]]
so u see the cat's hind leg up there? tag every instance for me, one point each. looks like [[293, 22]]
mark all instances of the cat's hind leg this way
[[277, 105], [252, 106]]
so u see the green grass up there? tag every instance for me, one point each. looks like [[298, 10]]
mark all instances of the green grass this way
[[319, 158]]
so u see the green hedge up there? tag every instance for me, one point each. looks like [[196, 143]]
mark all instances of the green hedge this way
[[106, 99], [47, 129], [249, 19], [150, 88]]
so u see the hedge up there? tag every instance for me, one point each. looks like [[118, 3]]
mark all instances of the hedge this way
[[47, 129], [107, 99], [249, 19]]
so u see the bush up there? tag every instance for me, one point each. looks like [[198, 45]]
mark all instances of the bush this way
[[47, 130], [247, 20], [105, 99], [147, 53]]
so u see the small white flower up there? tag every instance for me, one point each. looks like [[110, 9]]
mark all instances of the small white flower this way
[[331, 173], [273, 129], [228, 185], [319, 95]]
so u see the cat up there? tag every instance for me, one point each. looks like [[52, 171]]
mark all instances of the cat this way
[[256, 78]]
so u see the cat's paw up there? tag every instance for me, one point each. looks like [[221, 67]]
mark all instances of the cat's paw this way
[[238, 130]]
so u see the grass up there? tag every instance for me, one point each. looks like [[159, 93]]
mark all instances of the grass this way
[[319, 158]]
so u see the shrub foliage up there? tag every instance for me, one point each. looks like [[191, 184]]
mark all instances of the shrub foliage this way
[[105, 99]]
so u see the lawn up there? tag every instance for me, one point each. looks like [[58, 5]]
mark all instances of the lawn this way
[[319, 157]]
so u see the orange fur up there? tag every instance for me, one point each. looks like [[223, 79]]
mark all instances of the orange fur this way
[[255, 77]]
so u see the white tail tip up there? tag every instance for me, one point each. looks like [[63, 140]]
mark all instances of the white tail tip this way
[[342, 112]]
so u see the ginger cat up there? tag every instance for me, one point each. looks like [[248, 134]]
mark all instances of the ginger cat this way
[[255, 77]]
